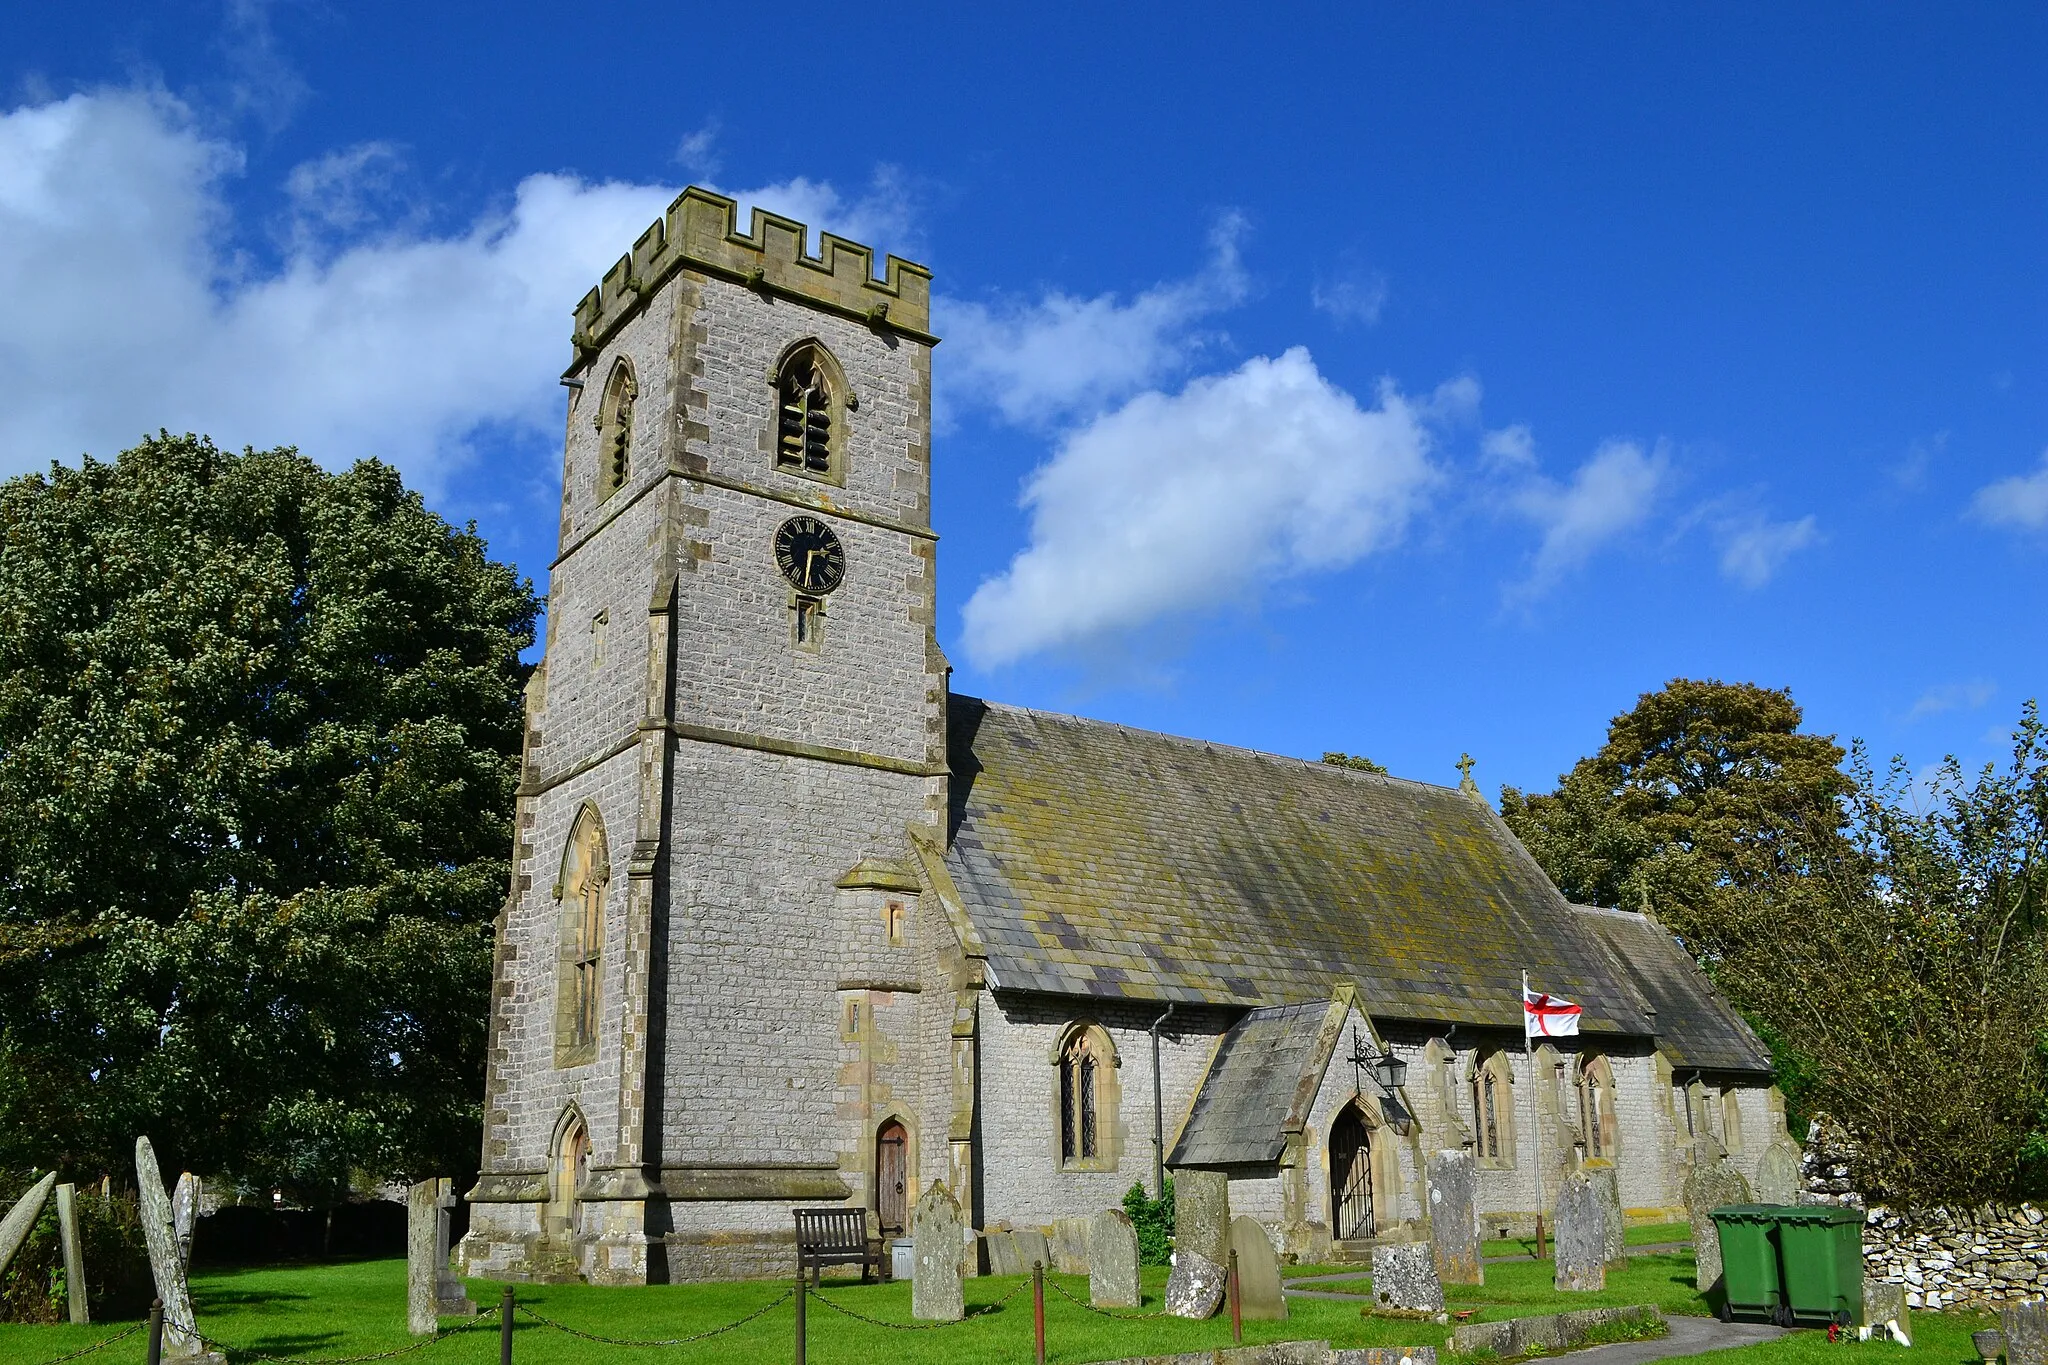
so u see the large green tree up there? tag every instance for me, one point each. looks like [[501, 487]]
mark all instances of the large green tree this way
[[1692, 792], [259, 728]]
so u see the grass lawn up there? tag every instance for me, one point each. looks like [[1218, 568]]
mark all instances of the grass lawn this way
[[359, 1307]]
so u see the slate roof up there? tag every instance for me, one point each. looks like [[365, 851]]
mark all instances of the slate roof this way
[[1262, 1081], [1096, 860], [1695, 1026]]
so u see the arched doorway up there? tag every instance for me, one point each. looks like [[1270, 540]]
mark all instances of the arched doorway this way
[[892, 1174], [1351, 1213], [572, 1170]]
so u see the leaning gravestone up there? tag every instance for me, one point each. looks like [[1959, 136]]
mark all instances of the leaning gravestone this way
[[935, 1237], [1201, 1242], [1580, 1244], [1453, 1178], [1032, 1248], [185, 1215], [1404, 1278], [160, 1231], [1258, 1270], [21, 1219], [1003, 1258], [75, 1294], [1778, 1180], [2026, 1333], [1713, 1184], [1613, 1225], [1113, 1261]]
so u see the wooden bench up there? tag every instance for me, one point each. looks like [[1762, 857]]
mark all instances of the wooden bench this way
[[835, 1237]]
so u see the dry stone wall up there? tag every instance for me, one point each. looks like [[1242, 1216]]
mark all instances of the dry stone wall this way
[[1946, 1257]]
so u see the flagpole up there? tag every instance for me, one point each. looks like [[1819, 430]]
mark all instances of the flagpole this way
[[1535, 1116]]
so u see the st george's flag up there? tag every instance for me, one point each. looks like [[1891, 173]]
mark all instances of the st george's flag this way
[[1547, 1016]]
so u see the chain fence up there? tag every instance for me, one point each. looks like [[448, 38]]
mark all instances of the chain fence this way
[[247, 1353], [975, 1311], [101, 1344], [1061, 1290], [760, 1312]]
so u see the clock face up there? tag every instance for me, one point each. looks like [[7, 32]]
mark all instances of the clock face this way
[[809, 555]]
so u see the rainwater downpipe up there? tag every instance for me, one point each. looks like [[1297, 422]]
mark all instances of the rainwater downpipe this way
[[1159, 1110]]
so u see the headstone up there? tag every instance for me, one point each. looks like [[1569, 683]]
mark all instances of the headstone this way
[[1580, 1245], [1885, 1302], [432, 1291], [21, 1219], [451, 1299], [1613, 1225], [1453, 1179], [1113, 1261], [1002, 1253], [185, 1215], [1201, 1214], [1068, 1238], [1195, 1288], [1404, 1278], [1713, 1184], [935, 1289], [1258, 1270], [160, 1231], [1778, 1177], [1032, 1249], [2026, 1333], [76, 1292]]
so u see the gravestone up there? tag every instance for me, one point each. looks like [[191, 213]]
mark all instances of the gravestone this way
[[21, 1219], [1113, 1261], [2026, 1333], [1201, 1214], [1068, 1239], [1258, 1271], [1613, 1225], [1002, 1253], [1713, 1184], [75, 1293], [1453, 1179], [160, 1231], [1032, 1249], [432, 1291], [936, 1294], [1195, 1288], [185, 1215], [1404, 1278], [1580, 1245], [1884, 1302], [1778, 1178]]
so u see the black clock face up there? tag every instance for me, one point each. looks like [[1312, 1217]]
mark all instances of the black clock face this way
[[809, 555]]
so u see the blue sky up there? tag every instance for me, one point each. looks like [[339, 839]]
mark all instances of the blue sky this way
[[1400, 379]]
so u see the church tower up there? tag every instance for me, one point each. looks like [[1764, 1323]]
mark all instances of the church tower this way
[[740, 711]]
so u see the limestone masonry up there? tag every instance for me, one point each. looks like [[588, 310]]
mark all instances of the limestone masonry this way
[[792, 925]]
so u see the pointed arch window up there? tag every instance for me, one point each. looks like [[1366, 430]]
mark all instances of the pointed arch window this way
[[615, 429], [811, 403], [1085, 1098], [586, 868], [1599, 1126], [1493, 1110]]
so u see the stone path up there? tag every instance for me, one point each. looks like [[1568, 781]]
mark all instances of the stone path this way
[[1689, 1337], [1655, 1249]]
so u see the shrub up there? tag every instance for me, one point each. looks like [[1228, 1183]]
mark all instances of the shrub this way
[[1154, 1220]]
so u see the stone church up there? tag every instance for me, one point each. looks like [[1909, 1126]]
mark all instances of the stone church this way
[[793, 924]]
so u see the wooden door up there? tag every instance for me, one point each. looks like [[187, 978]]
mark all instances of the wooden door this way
[[1350, 1176], [891, 1172]]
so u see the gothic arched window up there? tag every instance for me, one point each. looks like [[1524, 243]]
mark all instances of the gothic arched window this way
[[1086, 1098], [1599, 1126], [1493, 1109], [586, 868], [615, 429], [811, 401]]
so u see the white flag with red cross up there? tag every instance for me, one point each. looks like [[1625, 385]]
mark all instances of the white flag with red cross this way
[[1546, 1016]]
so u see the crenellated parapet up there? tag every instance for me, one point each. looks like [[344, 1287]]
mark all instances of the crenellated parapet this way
[[700, 232]]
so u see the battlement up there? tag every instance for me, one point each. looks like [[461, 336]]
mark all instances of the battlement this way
[[700, 232]]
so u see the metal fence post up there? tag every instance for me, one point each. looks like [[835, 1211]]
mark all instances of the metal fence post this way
[[1038, 1311], [506, 1313], [156, 1332], [1236, 1310]]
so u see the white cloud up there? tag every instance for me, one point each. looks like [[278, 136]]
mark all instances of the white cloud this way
[[129, 308], [1042, 362], [697, 150], [1753, 549], [2020, 501], [1966, 696], [1175, 504], [1510, 448], [1355, 297], [1609, 495]]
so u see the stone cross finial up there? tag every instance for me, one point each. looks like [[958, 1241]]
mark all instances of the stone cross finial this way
[[1466, 785]]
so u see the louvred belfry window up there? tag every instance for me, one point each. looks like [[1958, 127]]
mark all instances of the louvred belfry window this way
[[805, 428]]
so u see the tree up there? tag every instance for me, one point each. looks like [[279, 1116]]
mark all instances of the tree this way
[[1692, 792], [259, 734], [1358, 761], [1901, 961]]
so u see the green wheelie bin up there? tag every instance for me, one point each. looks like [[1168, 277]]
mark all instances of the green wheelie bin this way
[[1750, 1288], [1821, 1246]]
